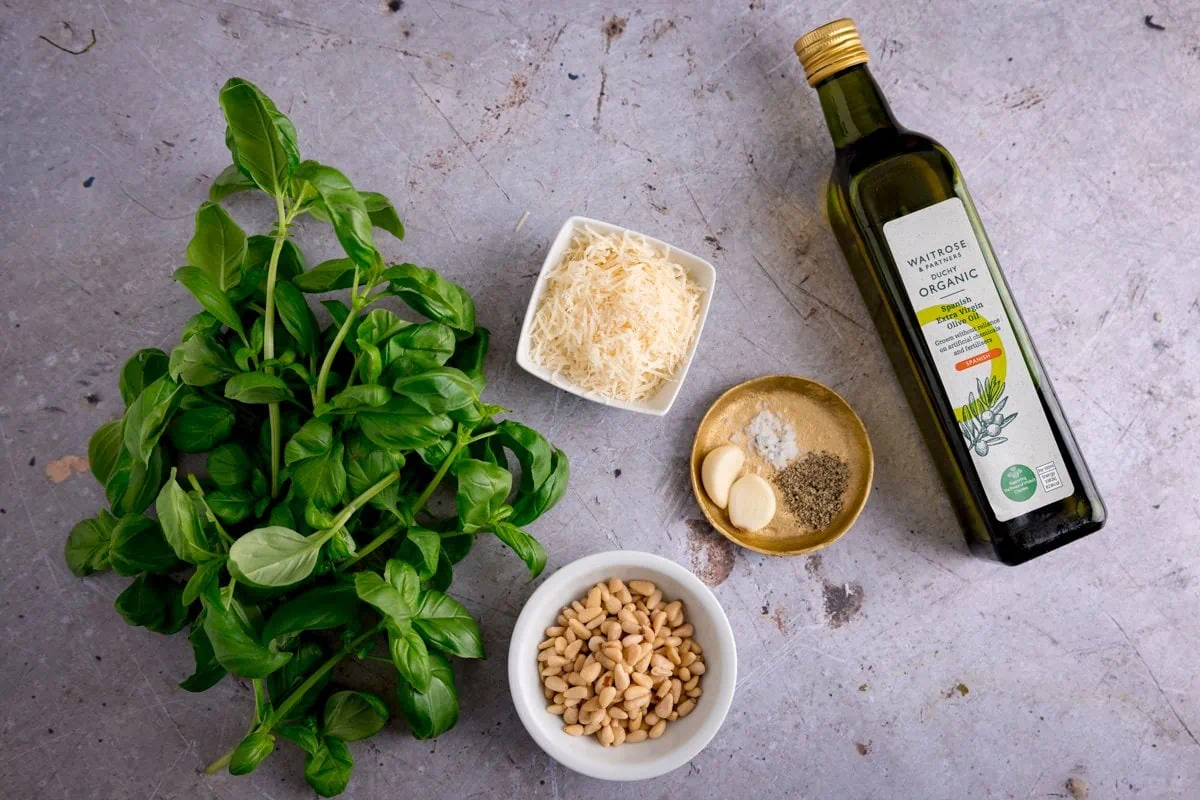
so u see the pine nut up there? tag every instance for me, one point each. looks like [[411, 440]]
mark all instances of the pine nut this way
[[571, 715], [641, 679], [632, 654], [643, 663], [596, 622], [562, 622], [606, 735], [580, 629], [698, 668], [634, 737], [683, 632], [658, 729], [556, 683], [674, 716], [616, 712], [687, 687], [615, 585], [688, 659], [591, 706], [570, 636], [557, 709], [694, 693], [578, 606], [685, 674], [624, 596], [591, 671], [696, 648], [664, 689], [607, 696], [570, 701], [672, 608], [661, 662], [673, 655], [549, 695], [634, 692], [619, 736], [555, 660], [635, 720], [560, 645], [665, 706], [593, 597], [605, 661], [660, 673], [654, 599], [579, 662], [573, 649], [644, 588], [545, 644], [651, 719], [674, 641], [620, 678], [569, 613], [585, 716], [676, 689], [632, 639], [634, 705], [658, 620], [590, 613], [573, 730], [548, 671], [576, 693], [591, 728], [686, 707], [612, 604], [554, 630]]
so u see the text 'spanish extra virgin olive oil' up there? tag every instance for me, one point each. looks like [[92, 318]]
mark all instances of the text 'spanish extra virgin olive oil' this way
[[913, 240]]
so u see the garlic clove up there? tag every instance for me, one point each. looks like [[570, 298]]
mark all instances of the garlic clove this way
[[719, 470], [751, 503]]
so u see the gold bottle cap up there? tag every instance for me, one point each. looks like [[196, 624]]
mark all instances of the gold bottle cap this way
[[830, 49]]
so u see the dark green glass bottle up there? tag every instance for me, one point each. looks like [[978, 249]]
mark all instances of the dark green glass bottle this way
[[914, 242]]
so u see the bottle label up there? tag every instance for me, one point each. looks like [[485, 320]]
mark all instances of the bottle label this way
[[975, 350]]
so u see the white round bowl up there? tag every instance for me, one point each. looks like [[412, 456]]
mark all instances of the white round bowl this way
[[683, 738]]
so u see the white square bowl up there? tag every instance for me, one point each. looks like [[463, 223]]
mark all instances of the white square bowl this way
[[698, 270]]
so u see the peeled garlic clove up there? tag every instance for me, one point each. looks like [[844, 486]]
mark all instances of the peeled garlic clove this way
[[751, 503], [719, 470]]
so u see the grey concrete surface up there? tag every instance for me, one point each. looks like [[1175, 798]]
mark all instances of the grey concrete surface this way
[[1076, 124]]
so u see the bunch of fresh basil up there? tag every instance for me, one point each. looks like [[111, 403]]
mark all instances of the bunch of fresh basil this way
[[307, 538]]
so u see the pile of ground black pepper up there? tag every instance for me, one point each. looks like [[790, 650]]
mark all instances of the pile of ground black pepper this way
[[813, 486]]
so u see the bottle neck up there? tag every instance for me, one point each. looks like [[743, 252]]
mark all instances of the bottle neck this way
[[854, 106]]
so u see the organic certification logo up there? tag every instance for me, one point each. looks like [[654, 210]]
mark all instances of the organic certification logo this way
[[1018, 483]]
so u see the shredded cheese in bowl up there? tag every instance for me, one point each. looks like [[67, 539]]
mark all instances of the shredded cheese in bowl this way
[[617, 316]]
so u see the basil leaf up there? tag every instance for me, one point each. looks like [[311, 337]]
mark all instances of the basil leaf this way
[[303, 734], [297, 317], [281, 683], [401, 424], [340, 312], [444, 576], [274, 556], [209, 671], [432, 295], [234, 637], [137, 545], [420, 548], [417, 348], [181, 524], [255, 387], [142, 369], [261, 140], [433, 712], [337, 273], [433, 455], [410, 655], [482, 490], [251, 752], [444, 623], [231, 505], [382, 213], [366, 465], [529, 507], [200, 361], [341, 205], [200, 324], [532, 451], [218, 246], [210, 296], [322, 608], [229, 466], [203, 579], [456, 545], [315, 457], [104, 448], [147, 417], [327, 769], [377, 326], [351, 716], [404, 579], [438, 390], [377, 591], [470, 355], [153, 602], [133, 485], [86, 549], [199, 430], [372, 396], [524, 545], [230, 181]]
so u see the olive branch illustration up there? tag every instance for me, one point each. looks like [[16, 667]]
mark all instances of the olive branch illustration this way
[[984, 417]]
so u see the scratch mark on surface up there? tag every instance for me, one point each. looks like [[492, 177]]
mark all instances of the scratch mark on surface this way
[[1154, 678], [600, 98], [459, 136]]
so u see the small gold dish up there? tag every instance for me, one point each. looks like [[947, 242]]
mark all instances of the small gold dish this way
[[823, 421]]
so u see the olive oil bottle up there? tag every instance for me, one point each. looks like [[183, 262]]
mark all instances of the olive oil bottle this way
[[913, 239]]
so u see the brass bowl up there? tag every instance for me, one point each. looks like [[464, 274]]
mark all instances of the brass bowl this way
[[823, 421]]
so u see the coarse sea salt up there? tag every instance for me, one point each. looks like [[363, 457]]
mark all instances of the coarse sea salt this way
[[773, 438]]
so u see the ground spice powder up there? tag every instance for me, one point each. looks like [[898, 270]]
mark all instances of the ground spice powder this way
[[812, 488]]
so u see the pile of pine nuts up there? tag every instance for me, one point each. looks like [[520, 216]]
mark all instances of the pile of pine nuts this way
[[620, 663]]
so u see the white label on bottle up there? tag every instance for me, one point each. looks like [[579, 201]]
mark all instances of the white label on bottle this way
[[975, 351]]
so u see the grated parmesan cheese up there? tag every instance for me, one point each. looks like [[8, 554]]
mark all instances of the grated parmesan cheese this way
[[617, 316]]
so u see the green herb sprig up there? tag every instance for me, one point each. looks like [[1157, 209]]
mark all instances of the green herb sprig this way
[[307, 539]]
